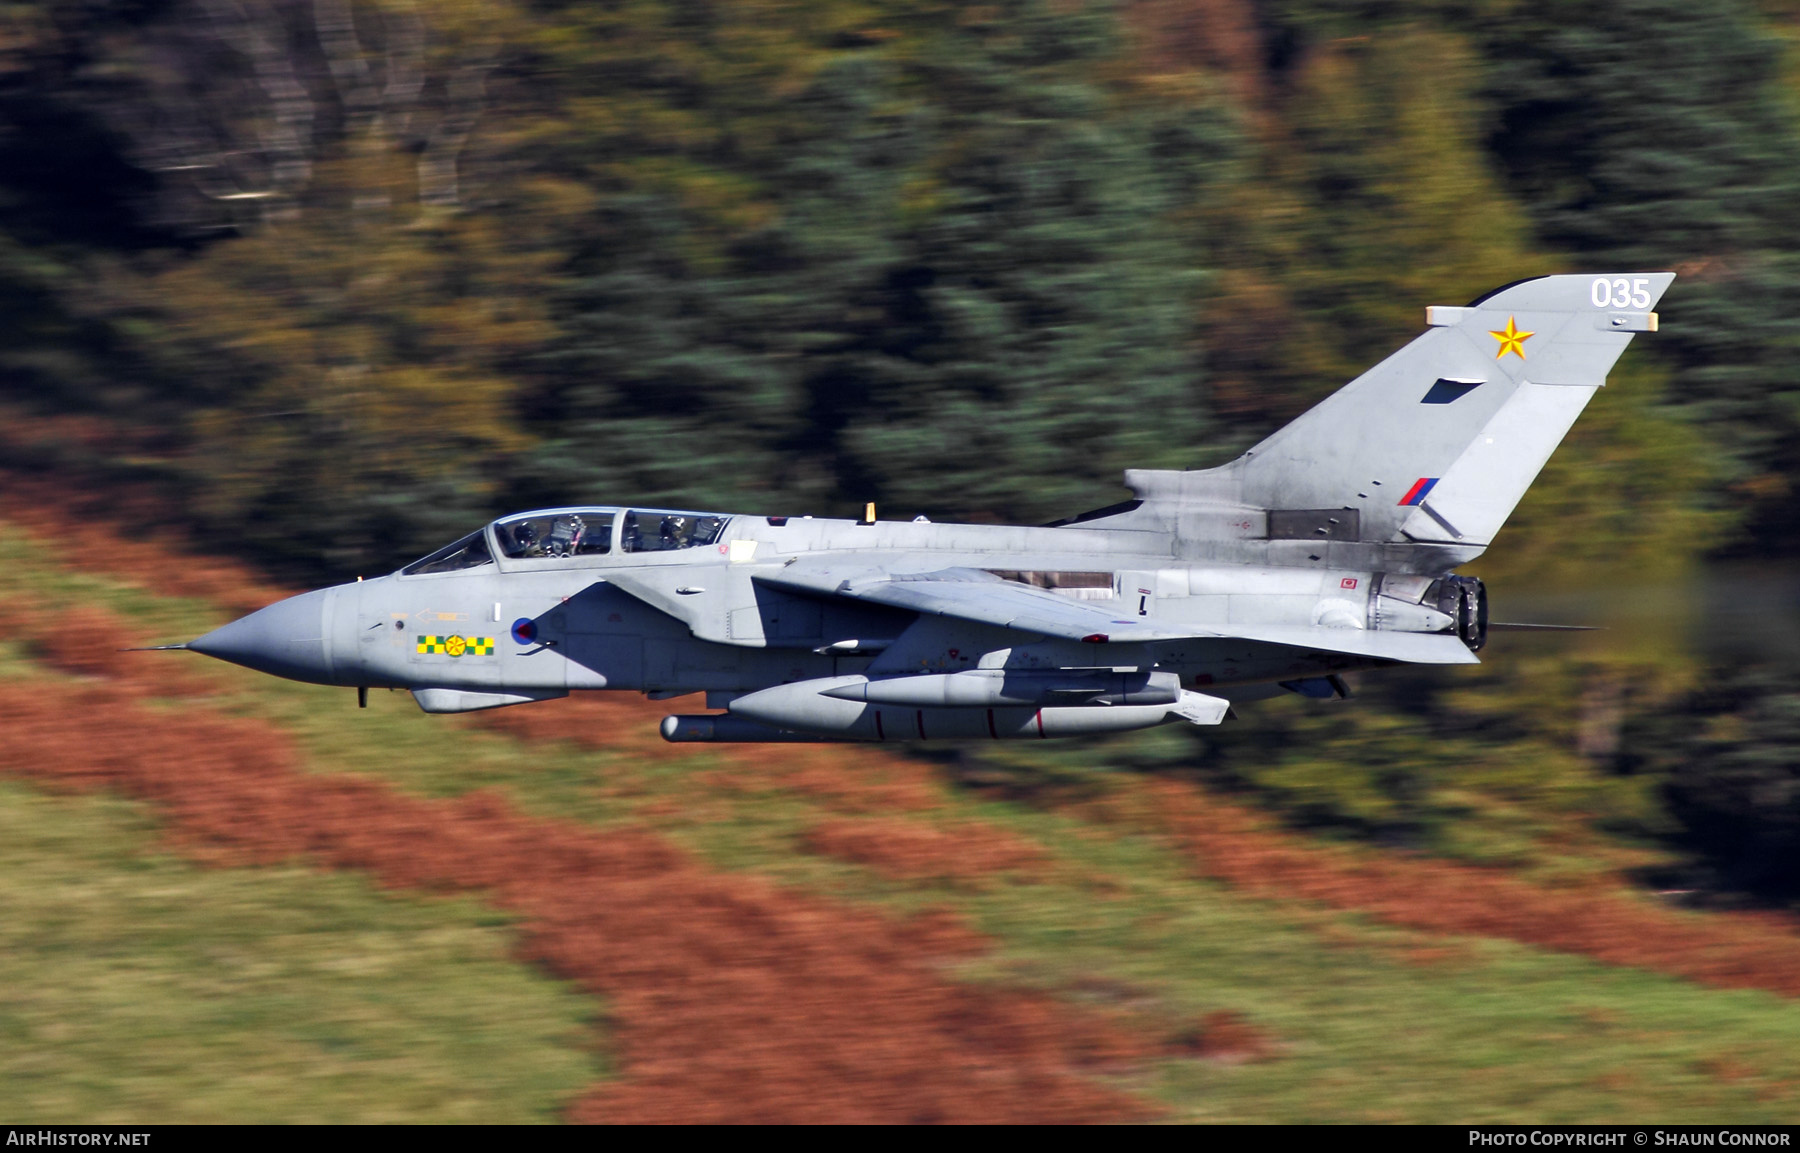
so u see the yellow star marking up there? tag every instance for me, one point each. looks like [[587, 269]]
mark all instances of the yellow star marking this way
[[455, 646], [1511, 339]]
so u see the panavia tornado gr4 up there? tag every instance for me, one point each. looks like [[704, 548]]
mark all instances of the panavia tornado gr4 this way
[[1330, 546]]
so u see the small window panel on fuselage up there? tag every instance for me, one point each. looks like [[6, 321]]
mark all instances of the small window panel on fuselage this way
[[556, 535], [652, 530]]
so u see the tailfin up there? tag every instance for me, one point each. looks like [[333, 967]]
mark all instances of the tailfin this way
[[1437, 443]]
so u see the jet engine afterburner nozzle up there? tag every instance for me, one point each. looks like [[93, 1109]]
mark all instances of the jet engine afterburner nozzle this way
[[1464, 599]]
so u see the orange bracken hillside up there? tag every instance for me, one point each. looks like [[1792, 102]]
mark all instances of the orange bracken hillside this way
[[731, 999]]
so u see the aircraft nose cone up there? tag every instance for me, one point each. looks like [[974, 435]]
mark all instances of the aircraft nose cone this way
[[286, 639]]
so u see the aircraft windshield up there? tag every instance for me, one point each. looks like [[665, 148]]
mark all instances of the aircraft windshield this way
[[660, 531], [469, 552], [561, 534]]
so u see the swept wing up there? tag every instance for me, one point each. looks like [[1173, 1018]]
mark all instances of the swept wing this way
[[983, 598]]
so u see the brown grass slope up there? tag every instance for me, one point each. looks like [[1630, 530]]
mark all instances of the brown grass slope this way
[[1233, 844], [731, 999], [1599, 919]]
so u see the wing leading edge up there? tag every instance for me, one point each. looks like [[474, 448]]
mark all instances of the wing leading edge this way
[[983, 598]]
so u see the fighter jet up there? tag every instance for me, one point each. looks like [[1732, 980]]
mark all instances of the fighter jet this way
[[1331, 546]]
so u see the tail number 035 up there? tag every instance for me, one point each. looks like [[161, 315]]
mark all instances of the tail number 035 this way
[[1620, 293]]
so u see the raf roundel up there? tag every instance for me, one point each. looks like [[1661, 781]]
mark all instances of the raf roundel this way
[[524, 631]]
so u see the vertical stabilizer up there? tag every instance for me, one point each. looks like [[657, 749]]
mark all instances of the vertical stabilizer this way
[[1437, 443]]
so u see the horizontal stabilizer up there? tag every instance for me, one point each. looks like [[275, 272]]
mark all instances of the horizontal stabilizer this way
[[1380, 645]]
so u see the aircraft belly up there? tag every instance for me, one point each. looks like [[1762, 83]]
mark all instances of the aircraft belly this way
[[1229, 580], [705, 664], [603, 661], [697, 666], [1262, 610], [1225, 661], [603, 636], [1199, 610]]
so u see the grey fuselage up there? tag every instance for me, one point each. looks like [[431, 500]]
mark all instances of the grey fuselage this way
[[696, 621]]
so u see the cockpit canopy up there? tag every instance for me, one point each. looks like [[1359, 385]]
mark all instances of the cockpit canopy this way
[[657, 531], [469, 552], [564, 533], [576, 532]]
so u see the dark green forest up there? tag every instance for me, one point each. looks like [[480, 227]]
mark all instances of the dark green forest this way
[[325, 283]]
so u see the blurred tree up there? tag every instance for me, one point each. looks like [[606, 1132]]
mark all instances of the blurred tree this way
[[343, 395], [1661, 137], [66, 188], [278, 294], [1371, 194], [1731, 760], [410, 264], [938, 261]]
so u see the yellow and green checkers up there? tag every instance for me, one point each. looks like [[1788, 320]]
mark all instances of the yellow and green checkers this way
[[458, 646]]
